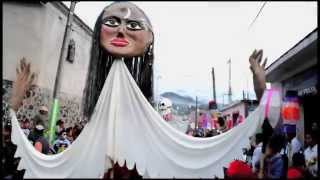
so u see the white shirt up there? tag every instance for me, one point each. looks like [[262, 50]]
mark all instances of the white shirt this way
[[295, 145], [26, 131], [312, 154], [292, 147], [256, 156]]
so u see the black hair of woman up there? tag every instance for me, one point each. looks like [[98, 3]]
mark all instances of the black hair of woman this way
[[140, 67]]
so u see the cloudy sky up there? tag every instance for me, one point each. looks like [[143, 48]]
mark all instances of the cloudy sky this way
[[193, 37]]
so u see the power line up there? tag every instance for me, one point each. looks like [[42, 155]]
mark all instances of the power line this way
[[258, 14]]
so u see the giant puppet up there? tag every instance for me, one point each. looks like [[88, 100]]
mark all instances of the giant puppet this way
[[124, 128]]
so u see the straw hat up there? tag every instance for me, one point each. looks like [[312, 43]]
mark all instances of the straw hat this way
[[43, 108]]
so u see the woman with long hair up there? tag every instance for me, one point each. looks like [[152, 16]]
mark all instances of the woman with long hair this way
[[122, 30]]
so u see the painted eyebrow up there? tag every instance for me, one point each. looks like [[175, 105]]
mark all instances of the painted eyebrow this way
[[111, 17], [137, 21], [141, 20]]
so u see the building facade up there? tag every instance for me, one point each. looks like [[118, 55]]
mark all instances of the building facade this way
[[296, 70], [35, 31], [238, 109]]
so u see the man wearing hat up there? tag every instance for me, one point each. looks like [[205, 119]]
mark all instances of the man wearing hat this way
[[43, 115], [25, 125], [41, 144], [36, 136]]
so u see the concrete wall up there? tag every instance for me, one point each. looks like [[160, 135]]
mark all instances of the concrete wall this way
[[35, 31], [240, 107]]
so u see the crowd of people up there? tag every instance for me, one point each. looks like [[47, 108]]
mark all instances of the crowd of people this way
[[282, 156], [36, 131], [64, 137], [209, 125], [275, 153]]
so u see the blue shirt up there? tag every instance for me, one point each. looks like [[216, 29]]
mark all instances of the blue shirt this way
[[274, 166]]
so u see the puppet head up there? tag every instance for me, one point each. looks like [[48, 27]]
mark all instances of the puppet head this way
[[122, 30], [125, 30]]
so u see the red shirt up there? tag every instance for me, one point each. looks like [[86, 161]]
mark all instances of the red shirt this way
[[229, 123]]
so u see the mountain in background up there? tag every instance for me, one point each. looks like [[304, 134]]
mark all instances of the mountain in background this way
[[184, 100]]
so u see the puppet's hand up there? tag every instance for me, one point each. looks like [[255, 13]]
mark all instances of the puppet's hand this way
[[22, 83], [258, 71]]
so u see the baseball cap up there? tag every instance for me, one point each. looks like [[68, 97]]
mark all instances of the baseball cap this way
[[39, 127]]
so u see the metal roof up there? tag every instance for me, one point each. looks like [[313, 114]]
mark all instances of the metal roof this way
[[295, 60]]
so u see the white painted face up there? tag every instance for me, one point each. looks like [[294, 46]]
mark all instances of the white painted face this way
[[165, 104]]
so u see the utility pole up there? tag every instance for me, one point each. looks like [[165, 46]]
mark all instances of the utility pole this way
[[196, 114], [55, 106], [229, 92], [243, 95], [213, 85]]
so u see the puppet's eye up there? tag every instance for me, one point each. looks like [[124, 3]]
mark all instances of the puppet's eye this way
[[134, 25], [112, 22]]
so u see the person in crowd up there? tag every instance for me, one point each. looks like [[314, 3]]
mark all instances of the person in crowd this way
[[272, 163], [298, 168], [69, 131], [214, 120], [41, 144], [76, 131], [25, 126], [229, 122], [60, 126], [240, 119], [293, 144], [208, 133], [33, 133], [257, 152], [9, 162], [311, 153], [214, 132], [8, 150], [248, 152], [314, 126], [44, 116], [199, 132], [189, 131], [62, 142], [221, 125], [234, 118], [200, 120]]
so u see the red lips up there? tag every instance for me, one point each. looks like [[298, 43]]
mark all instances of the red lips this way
[[120, 42]]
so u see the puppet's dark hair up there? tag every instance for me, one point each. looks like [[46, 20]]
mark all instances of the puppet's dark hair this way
[[140, 67]]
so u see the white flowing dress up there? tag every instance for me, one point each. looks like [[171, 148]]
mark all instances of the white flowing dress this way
[[125, 128]]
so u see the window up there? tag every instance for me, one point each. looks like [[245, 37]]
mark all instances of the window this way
[[71, 51]]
